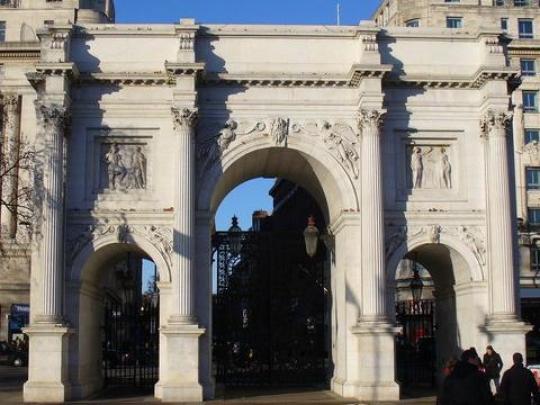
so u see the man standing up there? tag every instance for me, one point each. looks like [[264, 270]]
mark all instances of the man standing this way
[[493, 365], [518, 384]]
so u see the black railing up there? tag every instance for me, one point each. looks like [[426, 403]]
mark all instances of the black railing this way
[[130, 344], [270, 312]]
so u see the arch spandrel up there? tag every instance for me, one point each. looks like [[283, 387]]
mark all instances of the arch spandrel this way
[[94, 254], [472, 257], [308, 156]]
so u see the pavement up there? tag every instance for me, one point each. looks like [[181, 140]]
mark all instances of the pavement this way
[[12, 380]]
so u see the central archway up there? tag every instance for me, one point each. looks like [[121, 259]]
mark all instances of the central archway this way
[[303, 163]]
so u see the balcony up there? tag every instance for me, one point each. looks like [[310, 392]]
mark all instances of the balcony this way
[[9, 3]]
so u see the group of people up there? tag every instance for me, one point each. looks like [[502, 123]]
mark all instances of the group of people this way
[[471, 381]]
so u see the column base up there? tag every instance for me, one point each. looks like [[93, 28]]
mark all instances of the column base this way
[[48, 364], [45, 392], [179, 369], [506, 334], [376, 368]]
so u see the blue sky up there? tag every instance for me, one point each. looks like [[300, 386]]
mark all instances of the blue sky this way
[[244, 11]]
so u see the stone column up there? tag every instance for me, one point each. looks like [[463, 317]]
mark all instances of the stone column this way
[[501, 266], [179, 374], [184, 229], [10, 156], [375, 376], [504, 330], [51, 121], [372, 208], [48, 366]]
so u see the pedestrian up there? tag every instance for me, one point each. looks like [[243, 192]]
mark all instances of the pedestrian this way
[[518, 385], [466, 385], [493, 365], [449, 366]]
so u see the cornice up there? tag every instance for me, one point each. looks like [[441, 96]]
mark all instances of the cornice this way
[[474, 82], [20, 51], [333, 80], [125, 79]]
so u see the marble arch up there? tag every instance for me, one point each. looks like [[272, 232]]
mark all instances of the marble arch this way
[[383, 125]]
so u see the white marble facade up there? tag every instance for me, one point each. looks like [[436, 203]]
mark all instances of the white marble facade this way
[[402, 143]]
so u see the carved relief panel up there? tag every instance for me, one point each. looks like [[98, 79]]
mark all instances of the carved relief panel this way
[[428, 167], [120, 162]]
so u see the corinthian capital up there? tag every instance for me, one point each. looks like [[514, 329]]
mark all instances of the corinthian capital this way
[[184, 119], [10, 105], [494, 123], [51, 115], [370, 121]]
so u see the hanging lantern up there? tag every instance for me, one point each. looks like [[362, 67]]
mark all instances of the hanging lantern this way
[[416, 283], [235, 237], [311, 237]]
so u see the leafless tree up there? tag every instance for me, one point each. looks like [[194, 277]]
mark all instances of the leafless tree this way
[[17, 161]]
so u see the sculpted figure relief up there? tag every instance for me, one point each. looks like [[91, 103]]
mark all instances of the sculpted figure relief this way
[[126, 167], [280, 131], [445, 170], [430, 167], [532, 152], [334, 136]]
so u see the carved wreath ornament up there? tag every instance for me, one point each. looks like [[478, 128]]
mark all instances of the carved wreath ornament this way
[[471, 236], [83, 235], [339, 138]]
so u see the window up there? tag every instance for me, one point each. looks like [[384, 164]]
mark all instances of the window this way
[[504, 24], [529, 101], [454, 22], [525, 28], [532, 135], [522, 3], [413, 23], [499, 3], [534, 216], [2, 31], [452, 1], [535, 258], [533, 178], [528, 67]]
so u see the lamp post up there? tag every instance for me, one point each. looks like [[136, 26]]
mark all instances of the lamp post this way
[[311, 237], [416, 283], [235, 237]]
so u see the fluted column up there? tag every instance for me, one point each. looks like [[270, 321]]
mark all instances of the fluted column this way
[[501, 263], [184, 230], [9, 168], [373, 258], [51, 121]]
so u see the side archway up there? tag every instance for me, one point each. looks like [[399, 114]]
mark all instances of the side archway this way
[[459, 292], [86, 280]]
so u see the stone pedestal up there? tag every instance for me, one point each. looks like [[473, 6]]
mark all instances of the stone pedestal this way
[[507, 336], [376, 369], [48, 368], [179, 369]]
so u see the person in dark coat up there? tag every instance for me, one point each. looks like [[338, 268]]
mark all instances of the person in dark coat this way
[[466, 385], [518, 385], [493, 365]]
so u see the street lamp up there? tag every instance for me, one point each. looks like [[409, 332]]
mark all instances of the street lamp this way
[[416, 283], [235, 237], [311, 237]]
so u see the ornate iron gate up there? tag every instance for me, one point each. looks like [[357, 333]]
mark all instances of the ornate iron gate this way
[[270, 322], [130, 342], [415, 347]]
